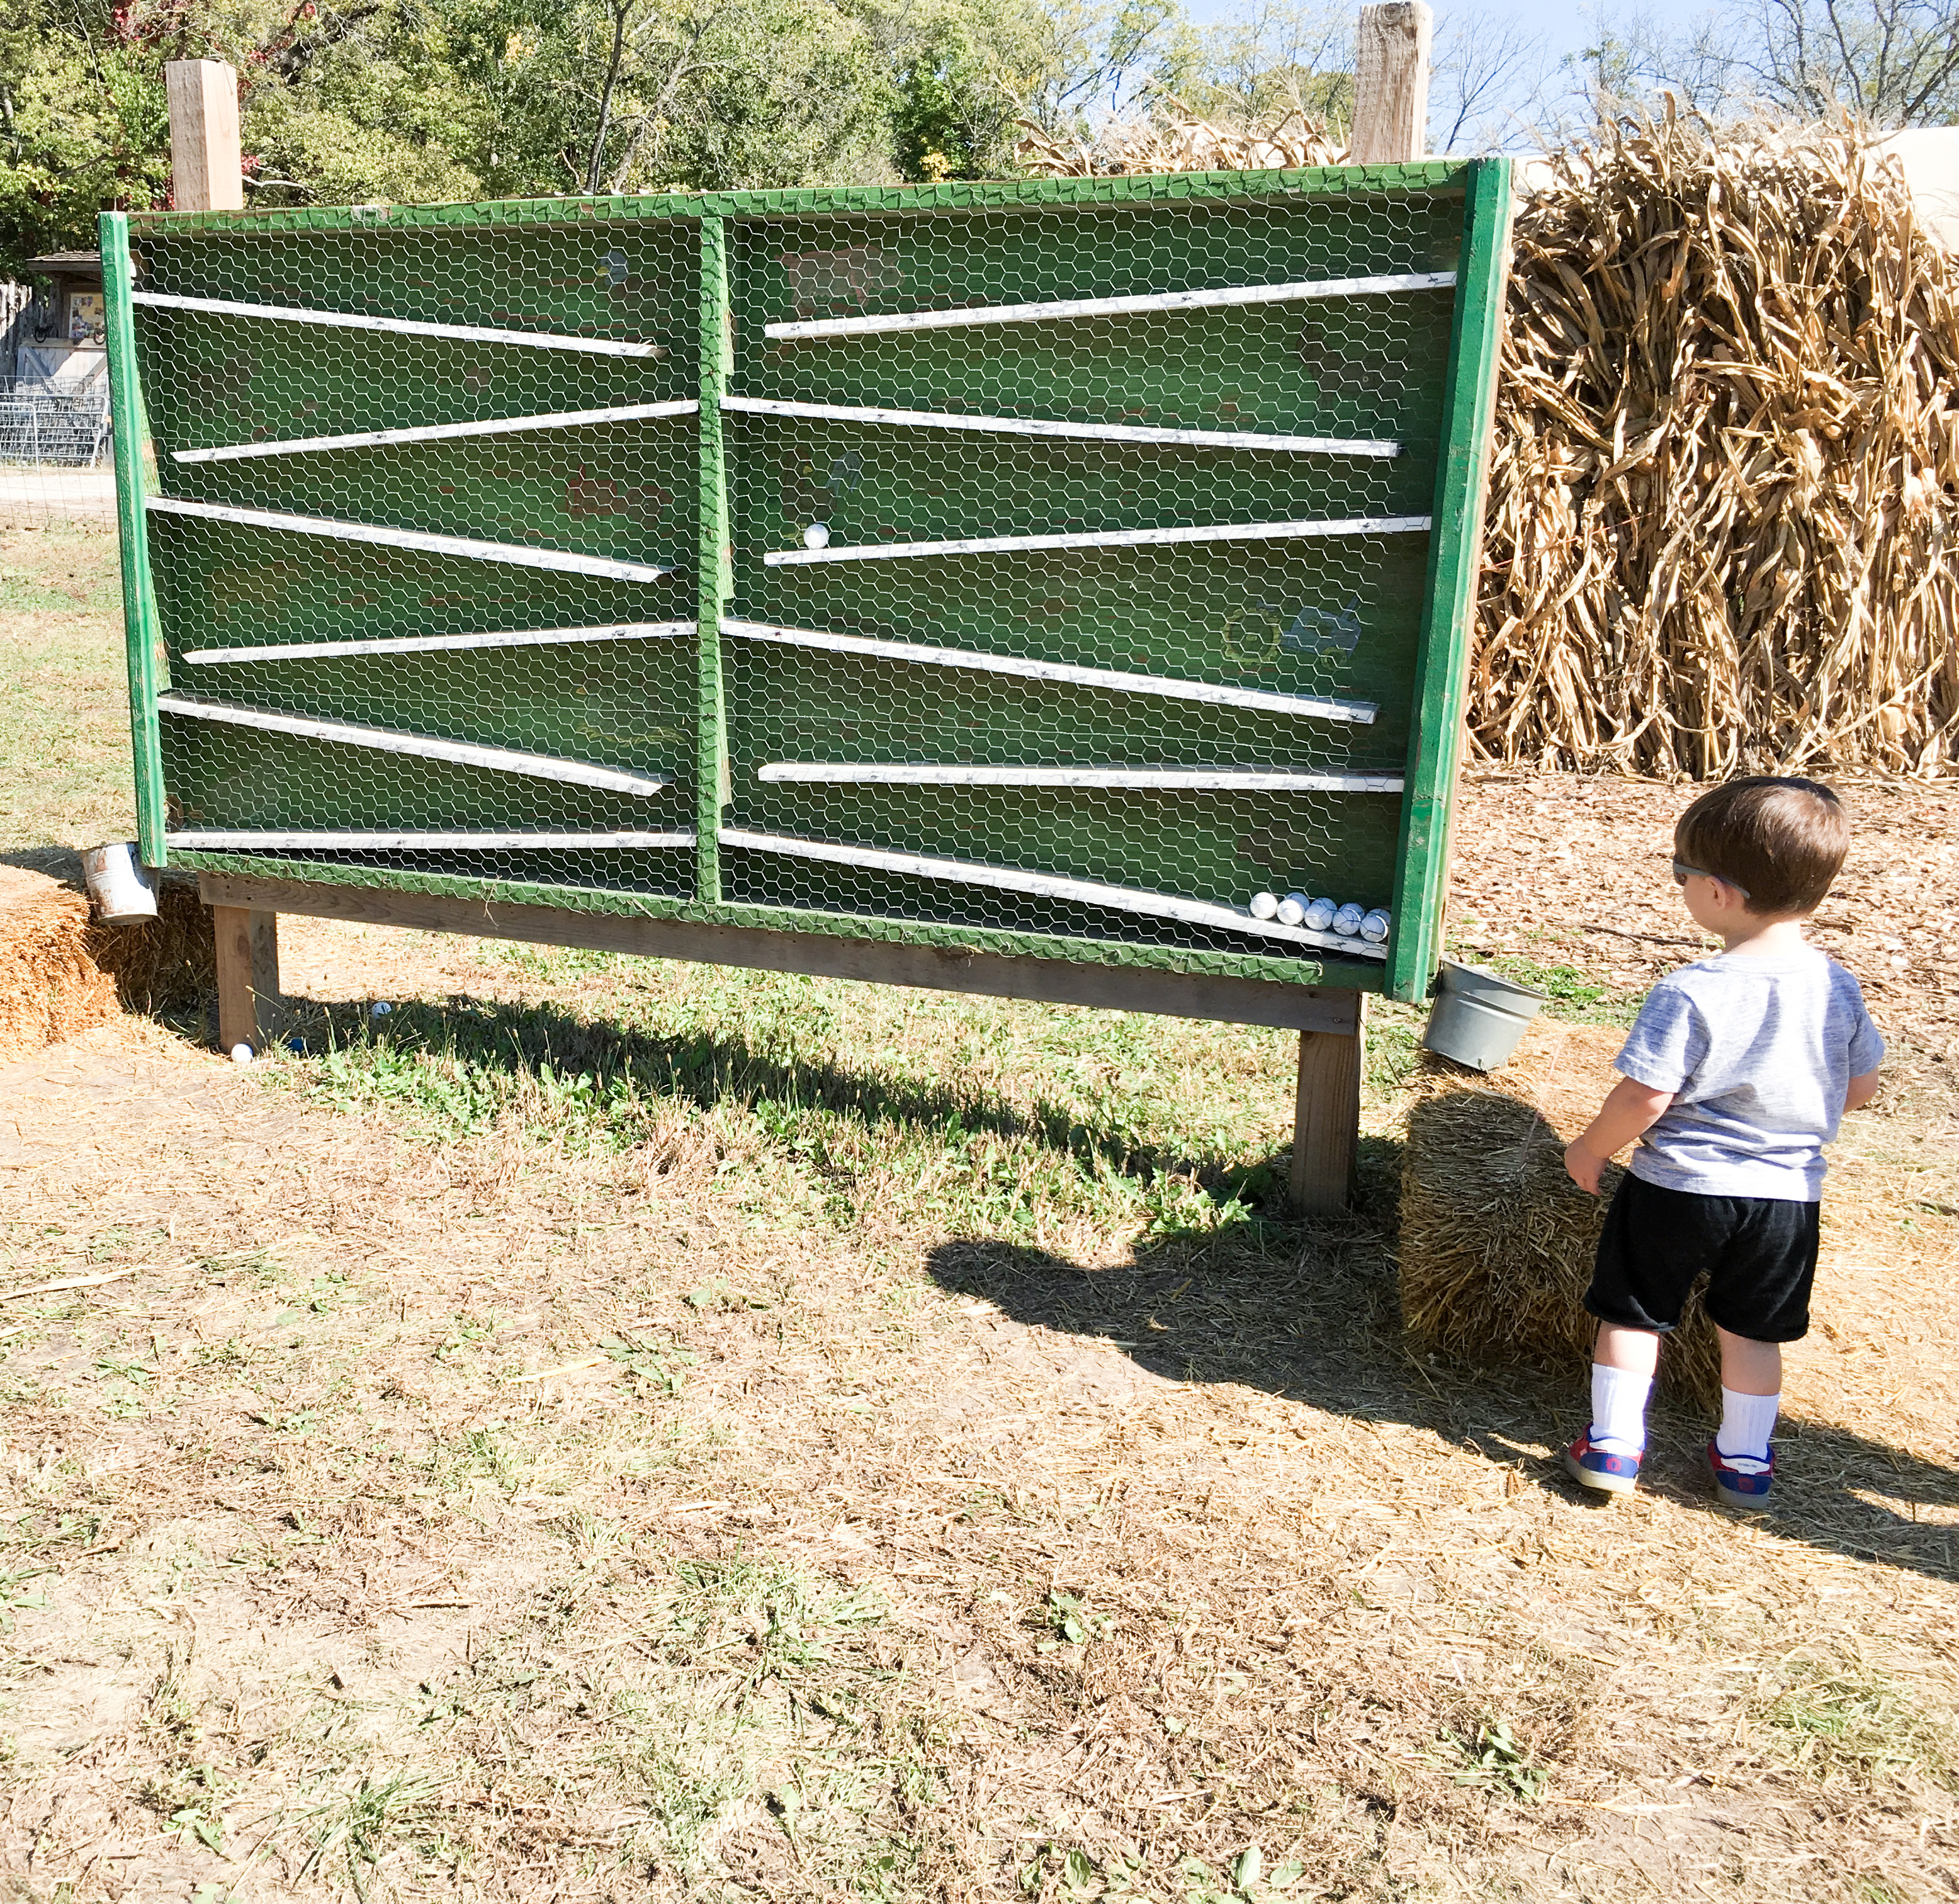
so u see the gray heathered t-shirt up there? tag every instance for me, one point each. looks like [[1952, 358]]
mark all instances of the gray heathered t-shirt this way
[[1757, 1052]]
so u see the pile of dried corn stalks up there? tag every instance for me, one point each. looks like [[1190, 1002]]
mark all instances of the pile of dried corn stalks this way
[[1726, 482], [1174, 139], [1723, 498]]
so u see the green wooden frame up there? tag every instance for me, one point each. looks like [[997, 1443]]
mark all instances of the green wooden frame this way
[[1448, 606], [143, 636]]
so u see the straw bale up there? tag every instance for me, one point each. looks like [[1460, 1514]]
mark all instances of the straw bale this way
[[1496, 1241], [169, 963], [61, 974], [51, 988]]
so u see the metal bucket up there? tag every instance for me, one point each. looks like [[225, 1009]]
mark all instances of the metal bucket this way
[[1478, 1018], [117, 883]]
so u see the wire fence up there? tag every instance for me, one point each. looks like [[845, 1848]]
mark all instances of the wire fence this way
[[56, 465]]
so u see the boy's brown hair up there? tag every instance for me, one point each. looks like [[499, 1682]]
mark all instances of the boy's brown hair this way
[[1781, 841]]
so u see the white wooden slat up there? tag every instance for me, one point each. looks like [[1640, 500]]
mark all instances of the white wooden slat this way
[[1102, 538], [514, 554], [439, 432], [249, 841], [398, 326], [1166, 301], [388, 740], [1315, 706], [435, 643], [1044, 426], [1228, 779], [1044, 886]]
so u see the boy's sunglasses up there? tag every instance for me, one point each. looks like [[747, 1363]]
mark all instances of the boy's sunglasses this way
[[1682, 873]]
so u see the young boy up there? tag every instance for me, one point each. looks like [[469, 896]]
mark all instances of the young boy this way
[[1732, 1080]]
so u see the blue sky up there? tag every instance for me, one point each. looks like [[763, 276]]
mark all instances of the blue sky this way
[[1553, 29], [1564, 25]]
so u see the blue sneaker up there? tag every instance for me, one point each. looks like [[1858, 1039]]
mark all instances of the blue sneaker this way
[[1594, 1468], [1740, 1482]]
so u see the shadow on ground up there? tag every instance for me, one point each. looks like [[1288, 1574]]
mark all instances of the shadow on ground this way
[[1311, 1316], [619, 1065]]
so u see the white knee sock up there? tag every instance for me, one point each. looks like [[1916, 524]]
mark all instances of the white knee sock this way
[[1619, 1409], [1746, 1423]]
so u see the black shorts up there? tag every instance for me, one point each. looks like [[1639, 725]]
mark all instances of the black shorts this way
[[1759, 1253]]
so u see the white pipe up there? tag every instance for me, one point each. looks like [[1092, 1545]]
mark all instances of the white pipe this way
[[1103, 538], [471, 842], [1231, 780], [432, 643], [475, 551], [1165, 301], [1319, 706], [1044, 886], [437, 432], [1042, 427], [398, 326], [388, 740]]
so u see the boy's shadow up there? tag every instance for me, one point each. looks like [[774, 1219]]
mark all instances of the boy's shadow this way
[[1319, 1323]]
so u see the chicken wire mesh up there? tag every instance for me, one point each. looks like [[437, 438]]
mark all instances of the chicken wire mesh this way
[[1064, 561]]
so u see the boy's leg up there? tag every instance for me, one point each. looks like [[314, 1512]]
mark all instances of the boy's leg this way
[[1623, 1362], [1750, 1395], [1650, 1250]]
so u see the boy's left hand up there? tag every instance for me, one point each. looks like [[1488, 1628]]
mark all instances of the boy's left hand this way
[[1583, 1167]]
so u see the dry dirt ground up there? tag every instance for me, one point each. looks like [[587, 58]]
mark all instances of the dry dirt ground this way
[[404, 1498], [483, 1520]]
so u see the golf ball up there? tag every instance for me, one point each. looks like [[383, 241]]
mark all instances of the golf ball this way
[[1265, 905], [817, 535], [379, 1009], [1319, 914], [241, 1054], [1292, 908], [1347, 920], [1375, 927]]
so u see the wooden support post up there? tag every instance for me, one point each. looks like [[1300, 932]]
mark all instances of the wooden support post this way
[[1326, 1117], [248, 975], [205, 174], [1391, 83]]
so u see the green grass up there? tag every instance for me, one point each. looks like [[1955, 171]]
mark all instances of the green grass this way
[[65, 776], [1575, 997], [1835, 1719], [845, 1103]]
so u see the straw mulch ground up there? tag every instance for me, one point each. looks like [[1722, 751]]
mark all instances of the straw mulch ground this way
[[1722, 507], [1496, 1241], [60, 973]]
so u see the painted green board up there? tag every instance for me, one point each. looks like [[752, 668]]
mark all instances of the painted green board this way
[[539, 559]]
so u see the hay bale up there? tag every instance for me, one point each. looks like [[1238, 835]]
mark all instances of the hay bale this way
[[51, 986], [61, 974], [1496, 1242], [171, 963]]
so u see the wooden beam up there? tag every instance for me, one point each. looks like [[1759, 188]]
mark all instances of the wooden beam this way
[[205, 174], [1326, 1116], [1391, 83], [1054, 981], [248, 974]]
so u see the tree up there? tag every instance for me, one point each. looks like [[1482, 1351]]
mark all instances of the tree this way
[[1893, 62]]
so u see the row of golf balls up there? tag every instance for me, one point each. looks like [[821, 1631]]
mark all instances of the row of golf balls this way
[[1349, 921]]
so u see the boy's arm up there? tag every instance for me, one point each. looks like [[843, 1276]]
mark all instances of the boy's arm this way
[[1861, 1090], [1629, 1109]]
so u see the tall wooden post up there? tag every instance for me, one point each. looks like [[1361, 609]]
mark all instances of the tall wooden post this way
[[1391, 83], [1390, 128], [206, 176]]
